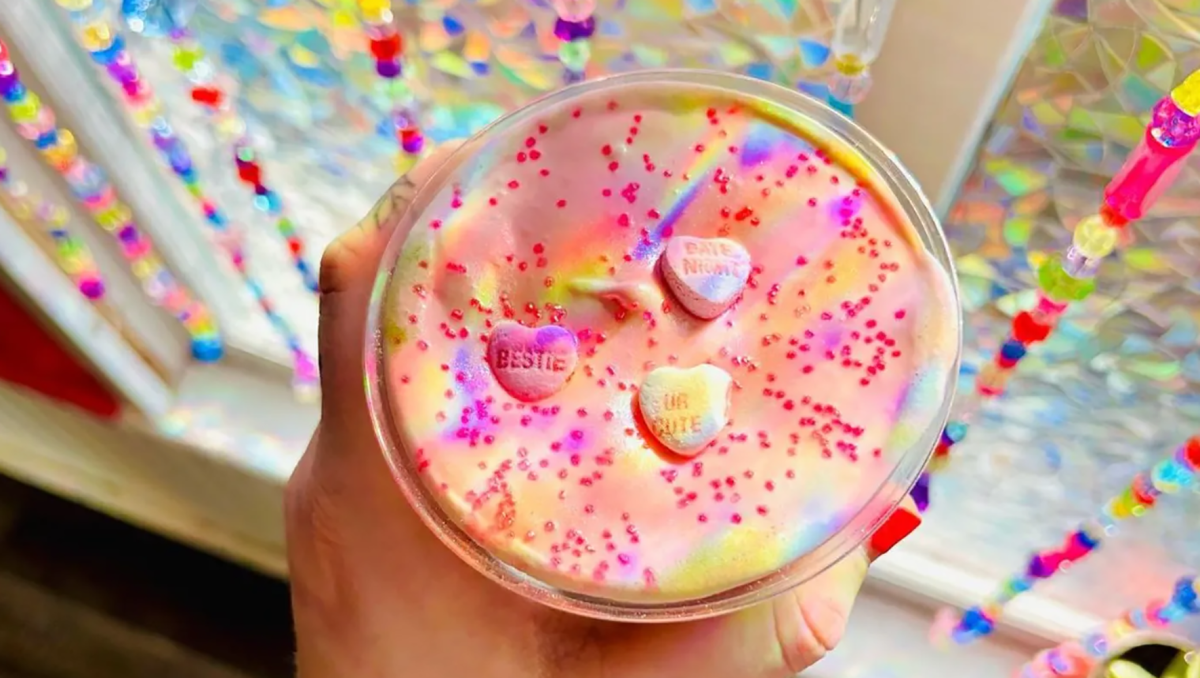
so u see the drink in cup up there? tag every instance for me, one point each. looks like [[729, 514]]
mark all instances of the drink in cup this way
[[662, 345]]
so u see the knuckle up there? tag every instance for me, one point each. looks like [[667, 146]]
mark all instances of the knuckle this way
[[333, 264], [806, 635]]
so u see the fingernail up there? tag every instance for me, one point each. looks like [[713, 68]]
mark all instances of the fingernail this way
[[898, 526]]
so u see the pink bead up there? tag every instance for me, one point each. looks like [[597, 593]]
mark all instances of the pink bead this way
[[101, 200], [1048, 310], [137, 249], [44, 123], [574, 10], [1148, 171], [176, 300], [1073, 551]]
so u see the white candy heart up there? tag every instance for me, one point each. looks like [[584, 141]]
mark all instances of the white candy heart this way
[[686, 408], [532, 363], [706, 275]]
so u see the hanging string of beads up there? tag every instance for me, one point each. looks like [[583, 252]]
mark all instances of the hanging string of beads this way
[[36, 121], [72, 254], [1175, 472], [859, 30], [386, 47], [189, 59], [1077, 656], [103, 41], [574, 27], [1069, 278]]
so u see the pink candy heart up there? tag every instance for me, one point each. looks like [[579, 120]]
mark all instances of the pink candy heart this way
[[532, 363], [706, 275]]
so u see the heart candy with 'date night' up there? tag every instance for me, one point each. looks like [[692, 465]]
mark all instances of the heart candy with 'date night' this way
[[705, 275], [686, 408], [532, 363]]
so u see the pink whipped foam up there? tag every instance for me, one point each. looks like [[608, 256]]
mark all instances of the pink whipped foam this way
[[839, 348]]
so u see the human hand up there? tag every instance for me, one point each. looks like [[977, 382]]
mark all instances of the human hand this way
[[376, 595]]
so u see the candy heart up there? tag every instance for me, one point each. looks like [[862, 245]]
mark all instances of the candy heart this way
[[706, 275], [686, 408], [530, 363]]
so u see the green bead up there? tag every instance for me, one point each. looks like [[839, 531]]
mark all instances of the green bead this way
[[1059, 285], [395, 88], [186, 58], [25, 110], [575, 54]]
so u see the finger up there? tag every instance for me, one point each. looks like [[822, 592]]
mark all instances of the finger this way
[[810, 620], [348, 269]]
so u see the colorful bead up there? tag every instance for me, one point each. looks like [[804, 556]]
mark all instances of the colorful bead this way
[[1173, 127], [574, 10], [1138, 497], [208, 96], [386, 48], [412, 141], [1013, 350], [1059, 285], [992, 380], [1191, 453], [146, 111], [72, 254], [1029, 330], [1186, 95], [388, 69], [1094, 238], [88, 183], [570, 31], [96, 36], [575, 55]]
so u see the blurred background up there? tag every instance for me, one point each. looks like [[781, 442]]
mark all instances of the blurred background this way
[[140, 527]]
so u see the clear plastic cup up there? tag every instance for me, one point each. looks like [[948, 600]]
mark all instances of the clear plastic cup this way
[[662, 345]]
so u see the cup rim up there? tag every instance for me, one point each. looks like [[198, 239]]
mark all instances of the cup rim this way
[[902, 190]]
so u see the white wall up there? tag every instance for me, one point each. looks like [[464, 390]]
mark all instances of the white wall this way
[[945, 66]]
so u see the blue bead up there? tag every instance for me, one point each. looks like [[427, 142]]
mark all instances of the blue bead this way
[[156, 18], [452, 25], [1185, 595], [1012, 350], [15, 92], [207, 349], [47, 140], [88, 183], [1085, 541], [1095, 644], [844, 107], [957, 430], [974, 620], [1021, 585], [109, 54]]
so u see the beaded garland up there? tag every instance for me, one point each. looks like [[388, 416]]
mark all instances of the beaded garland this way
[[36, 121], [103, 42], [72, 254], [386, 47], [1175, 472], [1172, 134], [858, 36], [189, 59], [574, 27], [1071, 658]]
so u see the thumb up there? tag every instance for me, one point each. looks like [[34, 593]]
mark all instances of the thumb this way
[[810, 620], [348, 270]]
